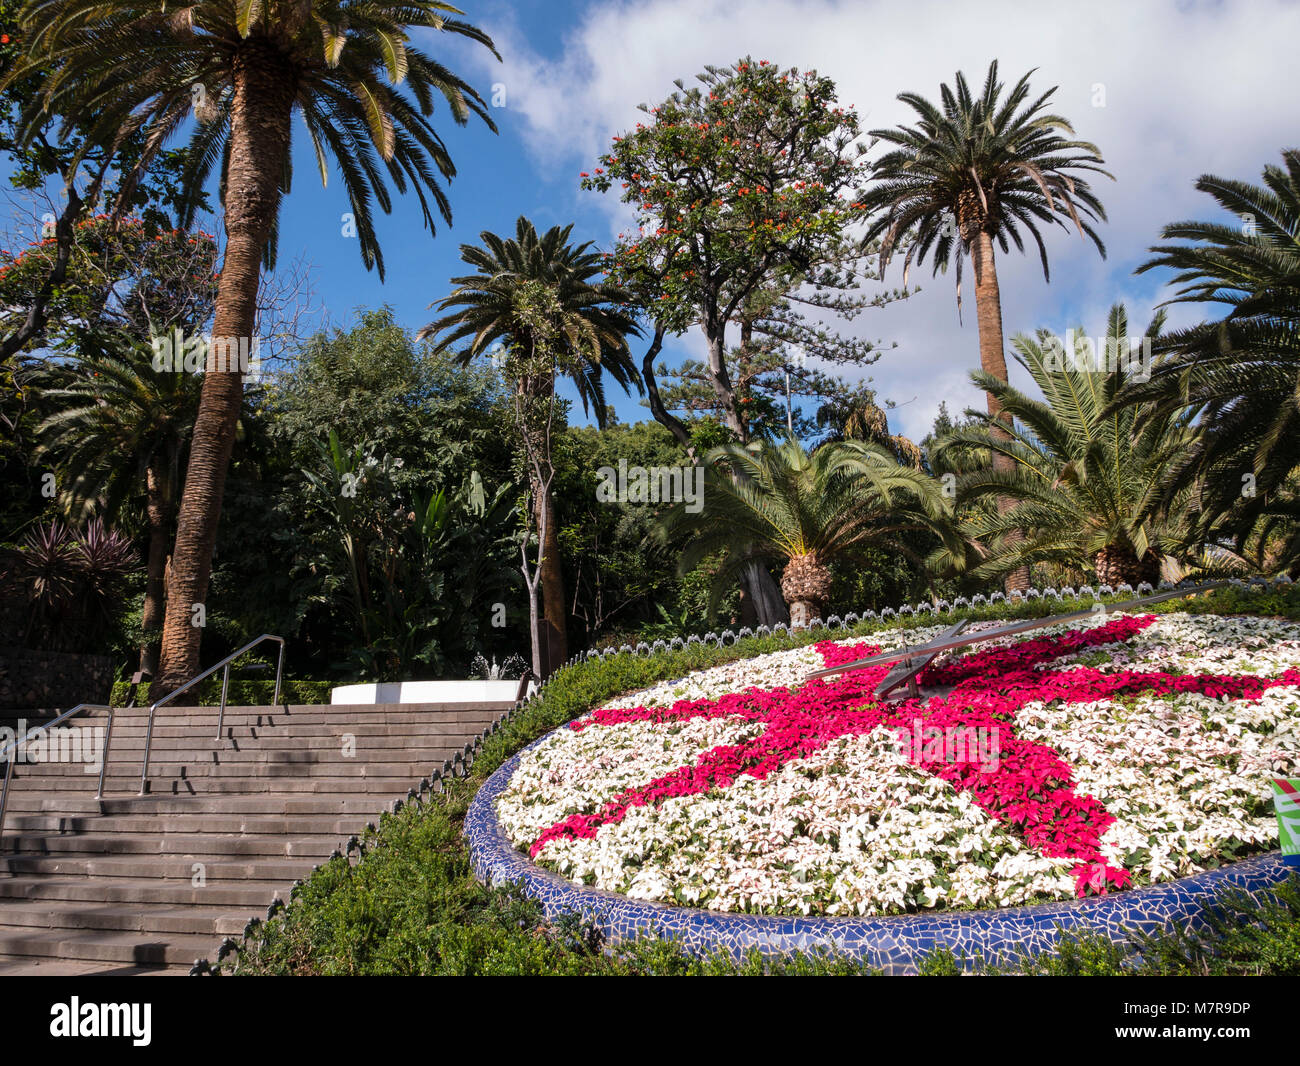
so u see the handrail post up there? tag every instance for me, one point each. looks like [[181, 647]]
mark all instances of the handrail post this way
[[103, 759], [279, 670], [148, 742], [4, 796], [225, 684]]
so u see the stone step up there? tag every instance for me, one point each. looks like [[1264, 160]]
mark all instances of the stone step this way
[[253, 894], [258, 803], [210, 921], [190, 822], [106, 886], [157, 866], [37, 967], [217, 845], [441, 735], [246, 783], [93, 945], [206, 732], [247, 764]]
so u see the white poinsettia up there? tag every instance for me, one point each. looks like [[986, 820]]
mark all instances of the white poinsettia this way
[[854, 827]]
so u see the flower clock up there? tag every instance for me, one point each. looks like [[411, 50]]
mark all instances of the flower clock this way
[[1083, 761]]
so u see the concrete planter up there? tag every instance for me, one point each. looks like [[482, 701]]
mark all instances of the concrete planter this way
[[430, 692]]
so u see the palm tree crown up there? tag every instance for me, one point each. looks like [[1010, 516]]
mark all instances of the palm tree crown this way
[[341, 64], [1085, 482], [807, 510], [1241, 374], [993, 164], [485, 307]]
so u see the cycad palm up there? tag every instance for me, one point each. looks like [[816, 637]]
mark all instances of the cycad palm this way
[[488, 308], [119, 430], [978, 171], [1085, 483], [243, 68], [806, 510], [1241, 374]]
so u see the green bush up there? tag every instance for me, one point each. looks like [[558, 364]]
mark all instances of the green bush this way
[[242, 693], [411, 904]]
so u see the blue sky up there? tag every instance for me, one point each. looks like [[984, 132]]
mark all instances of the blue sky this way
[[1185, 88]]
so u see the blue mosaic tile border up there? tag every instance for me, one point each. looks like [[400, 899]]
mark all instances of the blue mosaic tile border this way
[[892, 944]]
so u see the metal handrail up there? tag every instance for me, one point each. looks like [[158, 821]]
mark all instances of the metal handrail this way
[[225, 684], [13, 745]]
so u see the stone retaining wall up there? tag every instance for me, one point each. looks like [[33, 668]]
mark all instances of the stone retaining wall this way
[[31, 678]]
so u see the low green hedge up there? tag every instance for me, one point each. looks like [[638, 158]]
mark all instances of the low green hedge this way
[[242, 692], [411, 904]]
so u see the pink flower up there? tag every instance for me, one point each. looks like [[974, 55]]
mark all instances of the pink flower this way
[[1031, 790]]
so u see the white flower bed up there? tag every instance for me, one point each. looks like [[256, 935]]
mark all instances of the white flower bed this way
[[855, 828]]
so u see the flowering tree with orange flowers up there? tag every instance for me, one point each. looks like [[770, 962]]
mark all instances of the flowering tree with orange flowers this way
[[125, 283], [745, 188]]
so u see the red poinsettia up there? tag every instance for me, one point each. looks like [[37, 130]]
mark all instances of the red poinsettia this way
[[1031, 789]]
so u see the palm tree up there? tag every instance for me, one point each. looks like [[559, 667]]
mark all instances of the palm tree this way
[[497, 306], [1085, 483], [1240, 375], [242, 70], [976, 172], [119, 427], [855, 415], [806, 510]]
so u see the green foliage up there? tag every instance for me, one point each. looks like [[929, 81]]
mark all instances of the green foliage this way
[[440, 425], [411, 905], [243, 692], [617, 571], [114, 424], [363, 91], [1238, 374], [780, 502], [996, 164], [743, 188], [420, 580], [127, 282], [1083, 478], [757, 158]]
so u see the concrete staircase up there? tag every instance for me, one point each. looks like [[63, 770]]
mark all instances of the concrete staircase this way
[[149, 884]]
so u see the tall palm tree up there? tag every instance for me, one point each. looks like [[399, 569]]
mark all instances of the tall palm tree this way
[[243, 68], [119, 430], [1086, 484], [806, 510], [975, 172], [487, 308], [1241, 374]]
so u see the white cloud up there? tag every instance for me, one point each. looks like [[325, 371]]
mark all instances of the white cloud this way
[[1188, 88]]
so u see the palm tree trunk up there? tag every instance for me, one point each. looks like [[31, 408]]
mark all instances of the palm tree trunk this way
[[1119, 564], [806, 585], [151, 615], [993, 360], [554, 608], [261, 111]]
